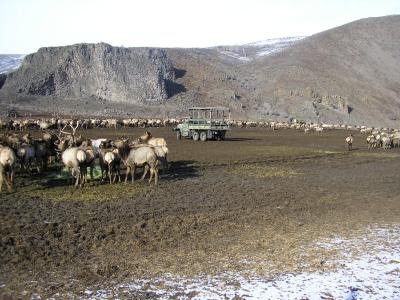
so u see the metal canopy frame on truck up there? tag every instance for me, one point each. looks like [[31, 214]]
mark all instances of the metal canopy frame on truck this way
[[209, 115]]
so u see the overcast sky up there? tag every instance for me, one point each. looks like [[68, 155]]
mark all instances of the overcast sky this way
[[27, 25]]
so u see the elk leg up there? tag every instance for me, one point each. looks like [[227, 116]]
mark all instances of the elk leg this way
[[102, 174], [12, 174], [133, 173], [155, 175], [38, 166], [109, 172], [69, 179], [82, 173], [1, 178], [145, 169], [128, 169], [77, 181], [151, 175]]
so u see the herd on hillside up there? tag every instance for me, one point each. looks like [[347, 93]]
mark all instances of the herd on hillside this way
[[60, 143]]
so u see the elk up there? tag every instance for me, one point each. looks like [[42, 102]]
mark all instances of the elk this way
[[26, 153], [141, 156], [113, 162], [161, 149], [161, 158], [90, 158], [7, 166], [71, 137], [43, 125], [371, 141], [349, 141], [319, 129], [42, 154], [12, 140], [145, 137], [75, 160], [109, 161]]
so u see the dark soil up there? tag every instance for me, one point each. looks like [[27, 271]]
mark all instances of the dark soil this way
[[222, 206]]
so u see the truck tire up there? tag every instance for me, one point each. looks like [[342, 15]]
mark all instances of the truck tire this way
[[178, 135], [203, 136], [222, 135], [195, 136]]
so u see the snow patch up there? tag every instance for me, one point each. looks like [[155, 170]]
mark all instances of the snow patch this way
[[10, 62], [259, 48], [276, 45], [271, 42], [235, 55], [369, 268]]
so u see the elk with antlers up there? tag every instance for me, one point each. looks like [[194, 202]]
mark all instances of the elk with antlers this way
[[74, 158]]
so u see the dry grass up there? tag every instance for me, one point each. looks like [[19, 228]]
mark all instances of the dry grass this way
[[58, 190], [263, 171], [376, 154]]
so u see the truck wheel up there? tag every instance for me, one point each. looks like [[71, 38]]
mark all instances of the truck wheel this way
[[222, 135], [178, 135], [195, 136], [203, 136]]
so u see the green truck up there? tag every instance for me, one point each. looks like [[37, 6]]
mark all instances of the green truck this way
[[205, 123]]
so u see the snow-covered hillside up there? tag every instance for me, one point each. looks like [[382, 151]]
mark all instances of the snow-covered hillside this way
[[252, 51], [270, 46], [10, 62]]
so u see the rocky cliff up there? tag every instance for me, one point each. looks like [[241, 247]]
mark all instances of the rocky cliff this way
[[94, 70]]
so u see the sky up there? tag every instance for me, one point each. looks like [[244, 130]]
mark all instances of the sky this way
[[25, 25]]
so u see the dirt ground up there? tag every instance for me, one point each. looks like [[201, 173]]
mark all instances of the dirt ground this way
[[260, 196]]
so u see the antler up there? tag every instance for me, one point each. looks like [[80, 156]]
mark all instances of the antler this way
[[62, 130], [74, 128]]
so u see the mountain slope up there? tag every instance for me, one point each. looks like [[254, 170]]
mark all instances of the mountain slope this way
[[348, 74]]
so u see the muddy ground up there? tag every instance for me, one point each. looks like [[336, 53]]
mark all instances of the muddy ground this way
[[260, 196]]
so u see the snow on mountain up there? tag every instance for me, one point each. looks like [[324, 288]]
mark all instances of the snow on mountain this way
[[275, 45], [10, 62], [235, 55], [252, 51], [277, 41]]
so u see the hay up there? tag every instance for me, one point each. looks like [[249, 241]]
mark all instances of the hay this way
[[63, 174]]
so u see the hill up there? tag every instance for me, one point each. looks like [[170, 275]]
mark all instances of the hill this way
[[347, 74]]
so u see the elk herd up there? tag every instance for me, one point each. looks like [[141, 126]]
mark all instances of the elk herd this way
[[55, 122], [78, 154], [385, 139], [59, 143]]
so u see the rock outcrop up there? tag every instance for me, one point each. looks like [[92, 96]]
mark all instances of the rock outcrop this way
[[116, 74]]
